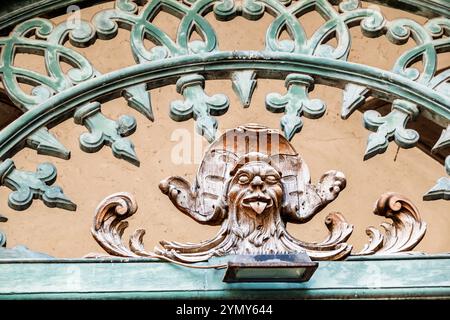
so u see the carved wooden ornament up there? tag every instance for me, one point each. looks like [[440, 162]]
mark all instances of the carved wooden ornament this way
[[252, 182]]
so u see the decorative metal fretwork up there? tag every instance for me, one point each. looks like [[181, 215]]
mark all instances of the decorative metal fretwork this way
[[302, 61], [252, 189]]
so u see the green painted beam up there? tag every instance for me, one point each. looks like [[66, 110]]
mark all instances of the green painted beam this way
[[416, 277]]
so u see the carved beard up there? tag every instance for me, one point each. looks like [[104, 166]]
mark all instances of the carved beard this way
[[255, 225], [252, 203]]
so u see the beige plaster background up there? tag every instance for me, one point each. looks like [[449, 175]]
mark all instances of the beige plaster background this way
[[326, 143]]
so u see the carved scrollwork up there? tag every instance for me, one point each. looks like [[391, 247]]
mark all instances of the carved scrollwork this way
[[406, 231], [251, 190], [109, 226], [403, 234]]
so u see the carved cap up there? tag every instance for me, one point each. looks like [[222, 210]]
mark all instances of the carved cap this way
[[253, 138], [254, 157]]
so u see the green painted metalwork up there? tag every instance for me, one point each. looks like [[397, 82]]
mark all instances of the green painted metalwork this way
[[45, 143], [198, 105], [139, 99], [14, 12], [244, 83], [318, 67], [427, 8], [323, 69], [105, 131], [392, 126], [29, 185], [51, 46], [395, 277], [300, 60], [442, 188], [21, 253], [2, 239], [295, 103], [429, 42]]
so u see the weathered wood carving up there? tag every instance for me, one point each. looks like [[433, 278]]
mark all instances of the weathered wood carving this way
[[252, 182]]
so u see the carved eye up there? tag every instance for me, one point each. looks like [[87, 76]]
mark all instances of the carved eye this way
[[271, 179], [244, 179]]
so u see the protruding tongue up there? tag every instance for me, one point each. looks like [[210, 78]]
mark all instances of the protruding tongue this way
[[258, 206]]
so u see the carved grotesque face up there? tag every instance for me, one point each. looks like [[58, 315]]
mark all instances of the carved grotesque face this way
[[256, 189]]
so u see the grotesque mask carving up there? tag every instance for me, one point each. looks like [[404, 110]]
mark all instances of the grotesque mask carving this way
[[252, 182], [253, 202]]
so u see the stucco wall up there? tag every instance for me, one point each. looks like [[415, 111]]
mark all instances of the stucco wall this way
[[326, 143]]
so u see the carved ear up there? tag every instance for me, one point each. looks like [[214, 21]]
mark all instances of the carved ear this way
[[206, 202], [295, 178], [291, 165], [191, 203]]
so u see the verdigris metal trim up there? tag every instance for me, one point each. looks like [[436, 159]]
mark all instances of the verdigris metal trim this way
[[426, 8], [400, 279], [14, 12], [219, 65]]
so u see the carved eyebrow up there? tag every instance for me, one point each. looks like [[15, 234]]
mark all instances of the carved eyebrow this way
[[271, 172], [243, 171]]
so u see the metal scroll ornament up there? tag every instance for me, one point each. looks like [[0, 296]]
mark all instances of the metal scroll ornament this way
[[252, 182]]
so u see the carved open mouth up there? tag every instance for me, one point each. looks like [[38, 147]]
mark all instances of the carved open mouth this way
[[258, 203]]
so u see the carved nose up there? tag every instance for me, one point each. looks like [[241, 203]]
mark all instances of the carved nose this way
[[257, 181]]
